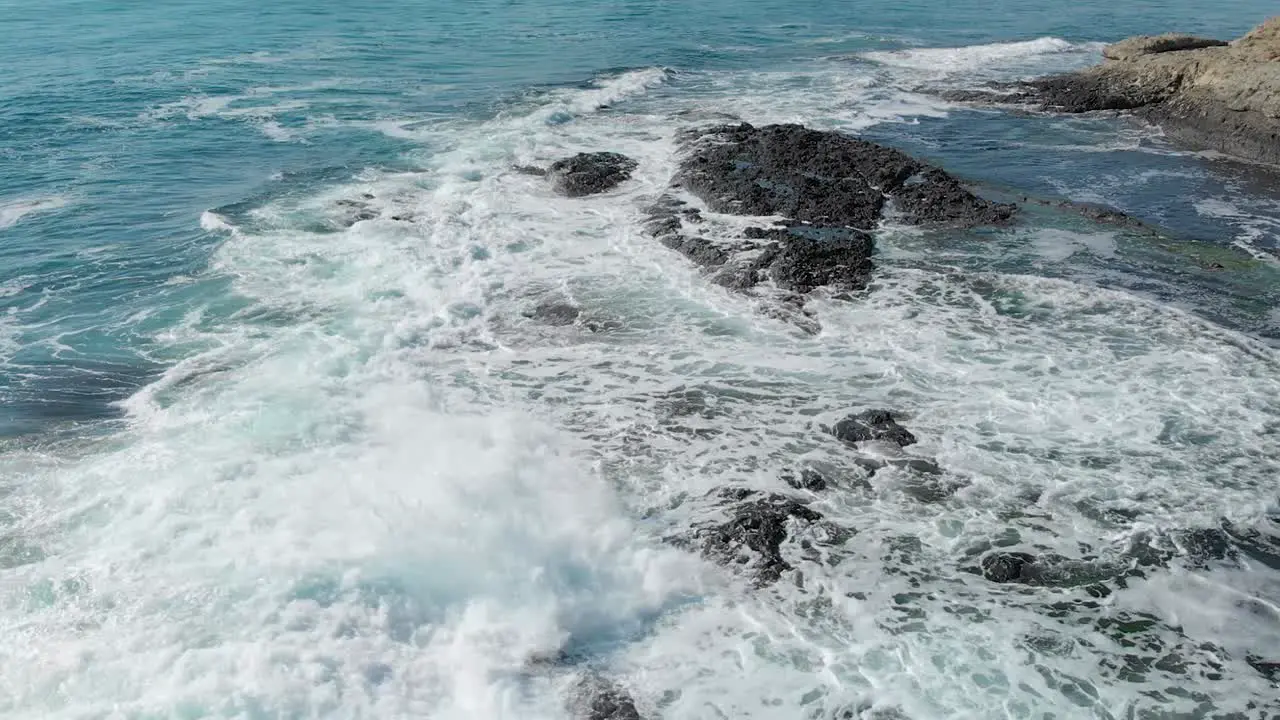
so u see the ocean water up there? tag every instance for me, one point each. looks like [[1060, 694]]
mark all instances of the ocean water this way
[[280, 439]]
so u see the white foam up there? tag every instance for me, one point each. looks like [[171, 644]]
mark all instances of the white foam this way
[[13, 287], [10, 336], [828, 97], [1258, 229], [277, 132], [12, 211], [1058, 245], [213, 222], [950, 61], [604, 92]]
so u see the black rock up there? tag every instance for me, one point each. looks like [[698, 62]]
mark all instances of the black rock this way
[[992, 93], [933, 196], [829, 187], [355, 211], [1008, 567], [806, 479], [821, 178], [530, 170], [1087, 92], [595, 698], [1050, 570], [759, 525], [872, 425], [836, 258], [788, 170], [554, 310], [590, 173]]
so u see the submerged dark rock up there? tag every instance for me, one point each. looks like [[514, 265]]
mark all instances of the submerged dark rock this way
[[1148, 45], [806, 479], [354, 211], [1052, 570], [554, 310], [1226, 545], [872, 425], [759, 527], [870, 711], [1096, 212], [1008, 567], [595, 698], [590, 173]]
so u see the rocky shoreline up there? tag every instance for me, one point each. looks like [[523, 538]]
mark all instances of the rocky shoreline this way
[[779, 213], [809, 202], [1205, 93]]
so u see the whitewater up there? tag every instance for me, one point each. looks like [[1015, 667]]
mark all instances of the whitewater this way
[[347, 469]]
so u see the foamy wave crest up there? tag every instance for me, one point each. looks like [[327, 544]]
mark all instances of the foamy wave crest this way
[[213, 222], [14, 210], [1256, 229], [604, 91], [10, 335], [276, 131], [976, 57]]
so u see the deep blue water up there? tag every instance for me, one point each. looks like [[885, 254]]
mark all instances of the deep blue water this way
[[214, 388]]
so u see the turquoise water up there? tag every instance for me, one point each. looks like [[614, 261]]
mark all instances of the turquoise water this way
[[280, 441]]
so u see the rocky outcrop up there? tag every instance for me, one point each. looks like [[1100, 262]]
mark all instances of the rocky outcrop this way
[[872, 425], [765, 533], [1204, 93], [823, 191], [588, 173], [1135, 47], [822, 179]]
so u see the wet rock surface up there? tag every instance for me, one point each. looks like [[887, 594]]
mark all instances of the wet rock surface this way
[[554, 310], [354, 210], [803, 261], [824, 190], [821, 178], [1134, 47], [806, 479], [762, 530], [1199, 549], [589, 173], [1007, 567], [596, 698], [872, 425]]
